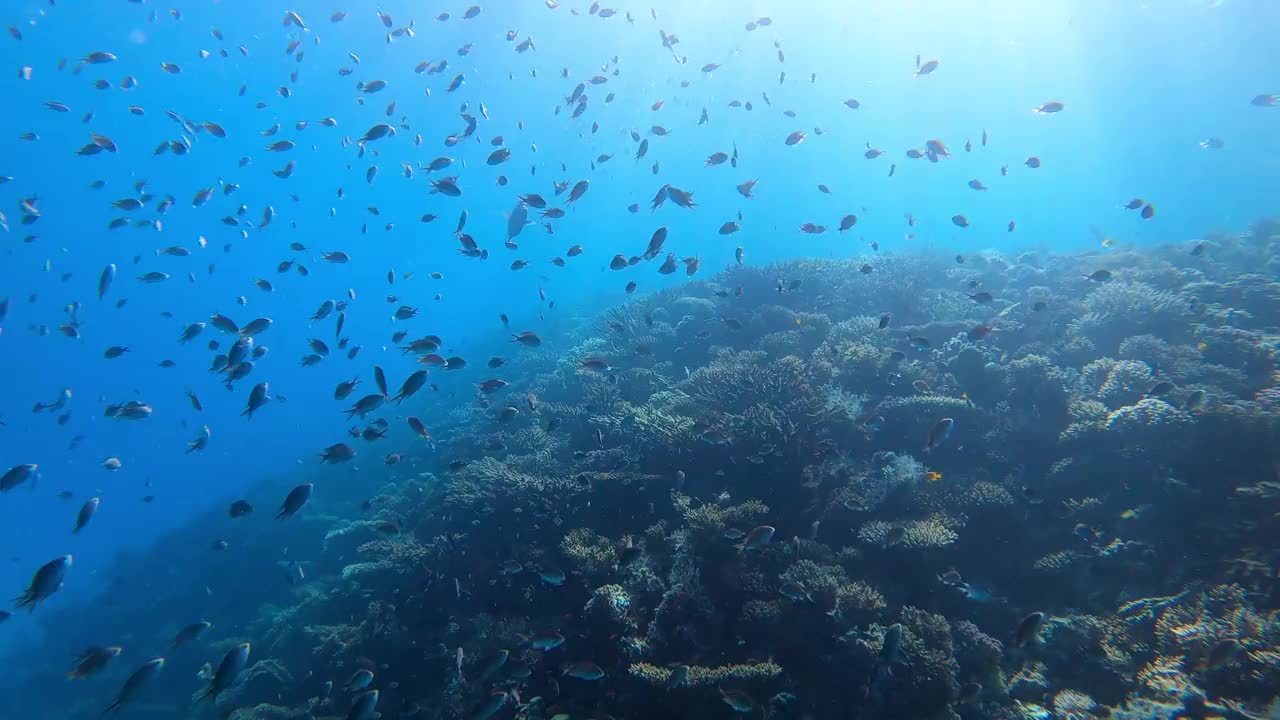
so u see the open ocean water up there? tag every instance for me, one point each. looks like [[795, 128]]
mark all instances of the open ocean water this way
[[550, 359]]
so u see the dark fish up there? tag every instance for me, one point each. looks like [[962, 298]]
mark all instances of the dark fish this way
[[228, 669], [939, 433], [133, 686], [1027, 630], [294, 501], [46, 581], [189, 633]]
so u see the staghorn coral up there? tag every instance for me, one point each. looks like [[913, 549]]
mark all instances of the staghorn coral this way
[[858, 603], [708, 521], [1058, 561], [935, 531], [651, 430], [700, 676], [589, 551], [401, 550]]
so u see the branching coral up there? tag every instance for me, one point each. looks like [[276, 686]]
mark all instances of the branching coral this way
[[709, 520], [1088, 419], [1148, 418], [1117, 383], [706, 677], [1118, 310], [933, 532], [358, 571], [589, 551]]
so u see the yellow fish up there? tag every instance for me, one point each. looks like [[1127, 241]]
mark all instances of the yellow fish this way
[[933, 476]]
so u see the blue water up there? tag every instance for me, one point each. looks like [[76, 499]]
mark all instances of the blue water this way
[[1143, 84]]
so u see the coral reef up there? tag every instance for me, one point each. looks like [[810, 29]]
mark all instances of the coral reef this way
[[769, 507]]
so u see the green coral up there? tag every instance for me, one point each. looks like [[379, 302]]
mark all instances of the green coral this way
[[708, 521], [589, 551]]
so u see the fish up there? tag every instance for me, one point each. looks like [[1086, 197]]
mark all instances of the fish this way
[[87, 511], [1222, 653], [93, 661], [336, 454], [757, 538], [46, 581], [233, 662], [135, 683], [582, 670], [737, 700], [105, 280], [294, 501], [364, 706], [17, 475], [491, 705], [939, 433], [359, 680], [258, 398], [189, 633], [1027, 630]]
